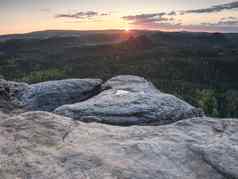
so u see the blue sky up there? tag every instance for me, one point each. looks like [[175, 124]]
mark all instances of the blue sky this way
[[19, 16]]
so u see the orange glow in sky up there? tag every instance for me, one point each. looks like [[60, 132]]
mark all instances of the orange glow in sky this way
[[19, 16]]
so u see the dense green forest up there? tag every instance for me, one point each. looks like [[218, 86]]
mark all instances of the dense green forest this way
[[201, 68]]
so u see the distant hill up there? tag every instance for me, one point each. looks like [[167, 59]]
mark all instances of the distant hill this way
[[114, 34]]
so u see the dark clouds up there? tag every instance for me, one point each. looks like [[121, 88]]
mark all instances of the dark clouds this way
[[150, 18], [215, 8], [229, 21], [170, 21], [82, 15], [172, 13], [163, 21], [154, 20]]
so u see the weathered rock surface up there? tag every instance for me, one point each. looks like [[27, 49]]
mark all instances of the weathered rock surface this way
[[40, 145], [3, 116], [130, 100], [10, 90], [9, 93], [49, 95]]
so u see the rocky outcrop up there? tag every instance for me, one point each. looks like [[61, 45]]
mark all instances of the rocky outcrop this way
[[10, 90], [40, 145], [49, 95], [130, 100], [9, 93]]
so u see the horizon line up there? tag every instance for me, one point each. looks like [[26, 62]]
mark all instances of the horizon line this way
[[119, 29]]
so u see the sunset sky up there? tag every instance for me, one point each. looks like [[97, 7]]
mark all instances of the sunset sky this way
[[19, 16]]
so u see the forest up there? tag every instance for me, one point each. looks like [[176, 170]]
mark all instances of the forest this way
[[200, 68]]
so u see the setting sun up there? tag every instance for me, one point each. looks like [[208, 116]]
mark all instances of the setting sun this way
[[127, 29]]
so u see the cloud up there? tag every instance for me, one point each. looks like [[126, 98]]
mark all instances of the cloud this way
[[149, 18], [105, 14], [82, 15], [78, 15], [171, 26], [169, 21], [215, 8], [229, 18], [154, 20], [226, 21], [172, 13], [143, 16]]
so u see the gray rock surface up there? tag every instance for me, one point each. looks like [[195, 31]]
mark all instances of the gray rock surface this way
[[10, 90], [47, 96], [130, 100], [40, 145], [3, 116], [9, 93]]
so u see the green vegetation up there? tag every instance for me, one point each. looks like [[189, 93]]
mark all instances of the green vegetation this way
[[201, 68], [44, 75], [208, 101]]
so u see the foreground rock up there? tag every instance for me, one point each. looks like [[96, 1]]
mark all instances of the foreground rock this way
[[3, 116], [49, 95], [9, 95], [130, 100], [41, 145]]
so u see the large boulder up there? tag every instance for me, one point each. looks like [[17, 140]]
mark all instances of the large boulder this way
[[47, 96], [130, 100], [40, 145]]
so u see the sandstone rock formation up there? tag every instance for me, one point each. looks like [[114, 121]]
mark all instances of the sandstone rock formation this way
[[47, 96], [9, 93], [130, 100], [40, 145]]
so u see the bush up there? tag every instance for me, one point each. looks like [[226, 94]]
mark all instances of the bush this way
[[45, 75], [208, 102]]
